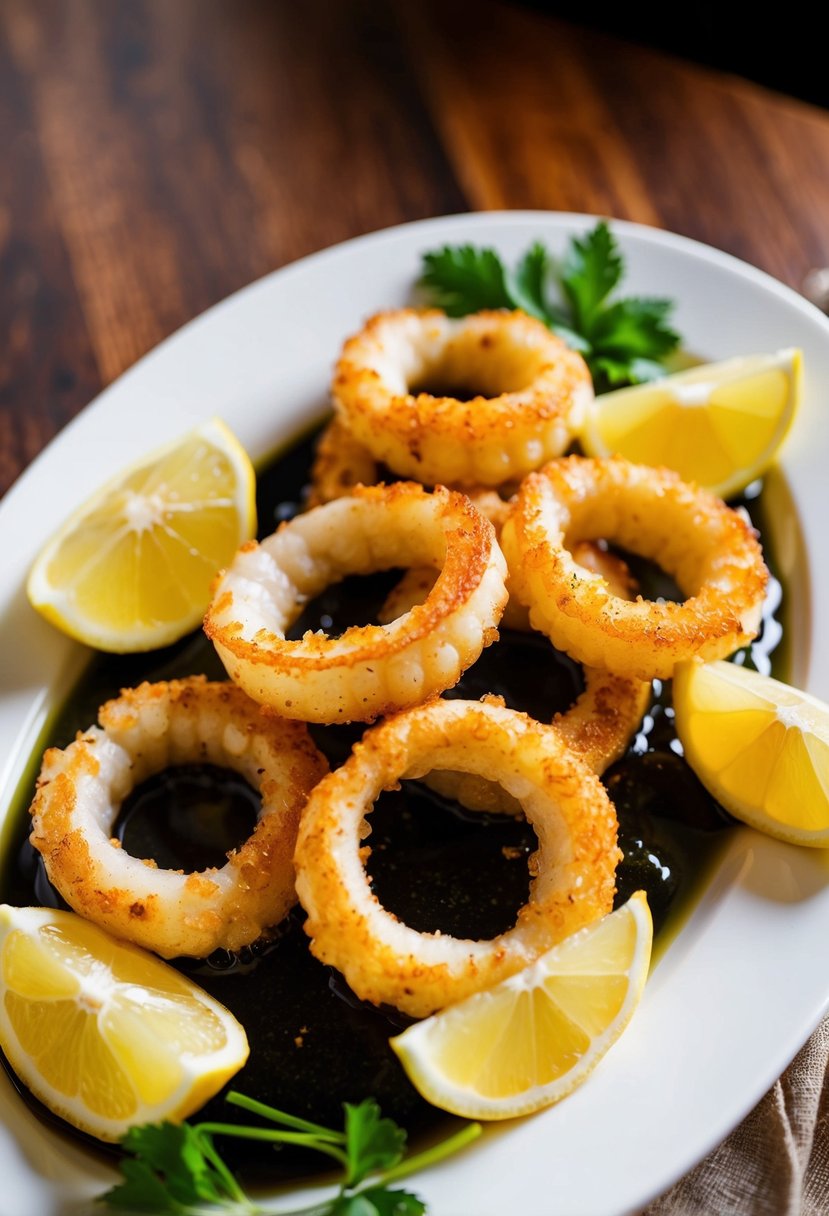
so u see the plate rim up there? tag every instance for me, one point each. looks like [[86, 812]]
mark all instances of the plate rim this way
[[561, 221], [501, 217]]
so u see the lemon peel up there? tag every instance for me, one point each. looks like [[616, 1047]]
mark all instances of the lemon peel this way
[[719, 424], [759, 746], [132, 567], [532, 1039], [104, 1034]]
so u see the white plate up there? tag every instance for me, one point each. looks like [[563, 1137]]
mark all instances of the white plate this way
[[744, 983]]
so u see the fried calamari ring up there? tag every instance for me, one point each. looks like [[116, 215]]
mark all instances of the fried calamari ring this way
[[385, 961], [597, 727], [341, 463], [373, 669], [81, 788], [416, 583], [511, 394], [709, 549]]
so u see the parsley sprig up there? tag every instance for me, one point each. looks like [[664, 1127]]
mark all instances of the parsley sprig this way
[[174, 1169], [624, 340]]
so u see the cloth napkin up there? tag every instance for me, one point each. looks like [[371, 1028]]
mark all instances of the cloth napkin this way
[[776, 1163]]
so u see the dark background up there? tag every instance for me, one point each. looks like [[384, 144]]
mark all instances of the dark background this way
[[782, 46]]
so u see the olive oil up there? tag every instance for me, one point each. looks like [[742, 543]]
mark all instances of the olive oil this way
[[314, 1045]]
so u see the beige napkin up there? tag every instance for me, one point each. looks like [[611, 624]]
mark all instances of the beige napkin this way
[[776, 1163]]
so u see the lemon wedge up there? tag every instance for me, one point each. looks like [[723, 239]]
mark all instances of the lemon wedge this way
[[530, 1040], [132, 568], [104, 1034], [718, 425], [760, 747]]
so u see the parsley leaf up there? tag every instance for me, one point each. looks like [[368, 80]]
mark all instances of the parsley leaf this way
[[463, 279], [142, 1191], [636, 327], [371, 1143], [617, 373], [169, 1168], [175, 1170], [378, 1201], [528, 285], [624, 340], [592, 267]]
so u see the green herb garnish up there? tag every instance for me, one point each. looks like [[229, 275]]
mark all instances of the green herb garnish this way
[[175, 1169], [623, 340]]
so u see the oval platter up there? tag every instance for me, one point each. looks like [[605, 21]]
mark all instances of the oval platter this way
[[743, 983]]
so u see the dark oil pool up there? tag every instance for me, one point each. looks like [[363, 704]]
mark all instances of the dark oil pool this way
[[314, 1045]]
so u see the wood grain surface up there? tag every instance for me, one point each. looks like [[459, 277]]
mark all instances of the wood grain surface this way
[[159, 155]]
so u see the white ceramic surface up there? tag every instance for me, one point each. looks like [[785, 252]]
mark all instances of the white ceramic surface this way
[[746, 980]]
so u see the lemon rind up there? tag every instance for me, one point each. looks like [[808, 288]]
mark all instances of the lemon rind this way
[[745, 812], [201, 1077], [53, 604], [464, 1102], [789, 359]]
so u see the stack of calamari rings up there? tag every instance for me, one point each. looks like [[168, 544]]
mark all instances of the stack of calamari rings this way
[[446, 457]]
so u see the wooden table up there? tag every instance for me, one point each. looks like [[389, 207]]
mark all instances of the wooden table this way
[[158, 155]]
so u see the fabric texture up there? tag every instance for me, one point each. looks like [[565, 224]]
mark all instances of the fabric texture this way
[[776, 1163]]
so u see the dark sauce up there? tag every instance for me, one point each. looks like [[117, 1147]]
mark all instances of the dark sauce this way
[[314, 1045], [184, 817]]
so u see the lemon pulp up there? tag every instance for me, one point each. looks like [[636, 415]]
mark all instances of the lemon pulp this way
[[530, 1040], [132, 568], [719, 424], [759, 746], [105, 1034]]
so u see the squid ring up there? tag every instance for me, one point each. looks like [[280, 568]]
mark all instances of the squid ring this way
[[417, 582], [385, 961], [597, 727], [511, 394], [340, 464], [373, 669], [143, 731], [710, 549]]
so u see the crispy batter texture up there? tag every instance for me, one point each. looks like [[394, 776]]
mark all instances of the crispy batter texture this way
[[710, 549], [341, 463], [509, 394], [81, 788], [385, 961], [373, 669], [416, 583], [597, 727]]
